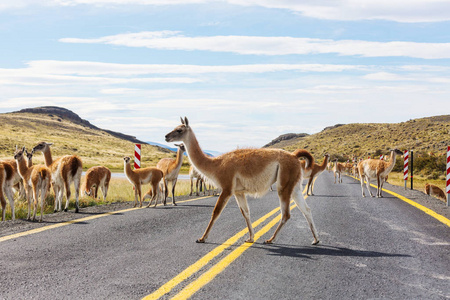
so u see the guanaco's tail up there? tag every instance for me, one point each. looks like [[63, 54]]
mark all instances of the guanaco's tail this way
[[305, 154]]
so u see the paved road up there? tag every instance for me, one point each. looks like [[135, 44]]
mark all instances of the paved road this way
[[370, 249]]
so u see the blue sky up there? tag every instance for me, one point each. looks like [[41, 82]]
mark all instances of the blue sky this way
[[242, 71]]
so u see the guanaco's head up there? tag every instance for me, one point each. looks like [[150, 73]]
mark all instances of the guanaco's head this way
[[396, 151], [89, 191], [42, 146], [181, 146], [18, 155], [29, 154], [127, 159], [179, 133]]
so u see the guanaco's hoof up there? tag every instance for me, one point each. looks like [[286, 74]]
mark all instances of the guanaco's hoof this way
[[76, 210], [315, 242], [268, 242], [249, 241], [174, 204], [65, 209], [200, 241]]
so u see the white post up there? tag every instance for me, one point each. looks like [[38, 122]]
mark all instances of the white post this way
[[405, 166], [137, 156], [448, 176]]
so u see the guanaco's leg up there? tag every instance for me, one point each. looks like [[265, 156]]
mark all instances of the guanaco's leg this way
[[67, 187], [304, 208], [285, 195], [174, 183], [220, 204], [243, 205]]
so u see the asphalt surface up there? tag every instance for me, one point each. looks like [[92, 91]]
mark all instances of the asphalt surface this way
[[371, 248]]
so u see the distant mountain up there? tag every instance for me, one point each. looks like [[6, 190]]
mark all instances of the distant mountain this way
[[175, 149]]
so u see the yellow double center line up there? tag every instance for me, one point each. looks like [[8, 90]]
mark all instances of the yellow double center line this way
[[210, 274], [216, 269]]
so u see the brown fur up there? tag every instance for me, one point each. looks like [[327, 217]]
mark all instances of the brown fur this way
[[170, 168], [9, 179], [70, 168], [374, 168], [17, 180], [435, 191], [248, 172], [2, 196], [316, 170], [36, 180], [97, 177], [338, 168], [142, 176]]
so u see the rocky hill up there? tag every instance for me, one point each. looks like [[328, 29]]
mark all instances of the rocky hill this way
[[71, 135], [63, 113], [425, 135], [285, 137]]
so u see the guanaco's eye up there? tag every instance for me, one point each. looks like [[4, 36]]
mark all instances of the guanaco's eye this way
[[179, 130]]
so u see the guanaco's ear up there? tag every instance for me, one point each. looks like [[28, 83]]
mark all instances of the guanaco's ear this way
[[186, 121], [182, 121], [23, 148]]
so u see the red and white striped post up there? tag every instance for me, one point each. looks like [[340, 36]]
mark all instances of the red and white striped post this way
[[381, 157], [448, 176], [405, 166], [137, 156]]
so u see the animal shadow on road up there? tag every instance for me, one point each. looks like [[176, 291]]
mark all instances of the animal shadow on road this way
[[311, 252]]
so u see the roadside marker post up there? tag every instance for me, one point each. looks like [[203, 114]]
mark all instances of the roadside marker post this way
[[381, 157], [137, 156], [405, 166], [412, 168], [448, 176]]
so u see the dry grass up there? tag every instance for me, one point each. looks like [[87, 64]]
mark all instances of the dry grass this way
[[95, 147], [120, 190], [361, 140], [418, 182]]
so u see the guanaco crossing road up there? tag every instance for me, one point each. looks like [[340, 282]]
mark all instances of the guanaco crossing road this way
[[370, 248]]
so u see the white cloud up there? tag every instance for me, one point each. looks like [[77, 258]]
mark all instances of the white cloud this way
[[86, 68], [260, 45], [385, 76], [346, 10], [350, 10], [45, 76]]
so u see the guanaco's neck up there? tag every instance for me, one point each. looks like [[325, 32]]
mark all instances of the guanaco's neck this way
[[22, 167], [179, 159], [29, 162], [48, 157], [391, 162], [324, 164], [199, 159], [127, 167]]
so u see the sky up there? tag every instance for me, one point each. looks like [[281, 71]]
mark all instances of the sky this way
[[242, 71]]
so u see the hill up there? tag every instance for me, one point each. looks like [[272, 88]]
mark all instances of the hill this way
[[423, 135], [71, 135]]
